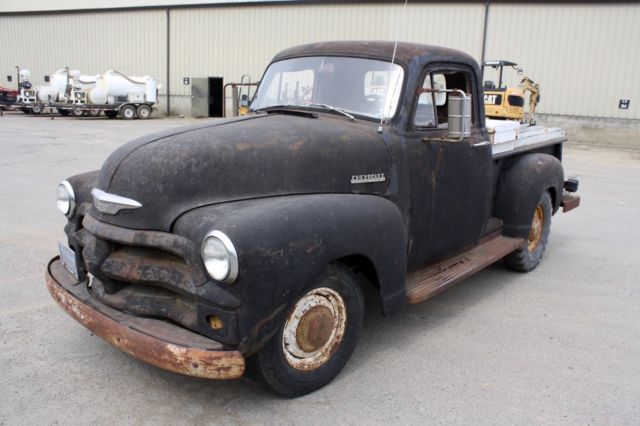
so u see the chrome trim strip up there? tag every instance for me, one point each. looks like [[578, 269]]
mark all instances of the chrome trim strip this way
[[110, 203]]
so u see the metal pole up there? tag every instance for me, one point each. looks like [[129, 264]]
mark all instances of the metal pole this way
[[484, 39], [168, 61]]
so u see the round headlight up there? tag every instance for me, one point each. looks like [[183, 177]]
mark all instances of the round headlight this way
[[65, 198], [219, 257]]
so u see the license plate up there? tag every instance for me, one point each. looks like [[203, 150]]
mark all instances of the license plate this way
[[68, 258]]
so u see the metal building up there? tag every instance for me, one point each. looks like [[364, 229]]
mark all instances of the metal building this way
[[582, 54]]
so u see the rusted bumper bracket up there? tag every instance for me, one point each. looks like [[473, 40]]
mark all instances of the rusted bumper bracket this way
[[569, 202], [155, 342]]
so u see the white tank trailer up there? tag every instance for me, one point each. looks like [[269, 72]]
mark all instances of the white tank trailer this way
[[113, 92]]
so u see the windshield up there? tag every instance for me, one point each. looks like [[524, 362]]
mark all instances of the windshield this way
[[366, 87]]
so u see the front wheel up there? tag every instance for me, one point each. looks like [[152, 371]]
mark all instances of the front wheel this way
[[318, 336], [527, 257]]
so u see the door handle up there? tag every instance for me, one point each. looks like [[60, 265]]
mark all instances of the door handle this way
[[481, 144]]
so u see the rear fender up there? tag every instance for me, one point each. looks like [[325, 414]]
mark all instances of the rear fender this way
[[520, 187]]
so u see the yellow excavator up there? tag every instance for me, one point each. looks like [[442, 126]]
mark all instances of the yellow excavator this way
[[507, 103]]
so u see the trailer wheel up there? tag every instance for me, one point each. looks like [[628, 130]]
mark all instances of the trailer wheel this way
[[94, 112], [128, 112], [37, 109], [144, 112], [77, 112], [527, 257], [111, 114], [317, 337], [63, 112]]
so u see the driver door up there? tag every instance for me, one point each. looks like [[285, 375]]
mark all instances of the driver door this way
[[451, 180]]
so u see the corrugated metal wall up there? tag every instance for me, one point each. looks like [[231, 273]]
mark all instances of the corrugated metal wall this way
[[131, 42], [583, 56], [230, 42]]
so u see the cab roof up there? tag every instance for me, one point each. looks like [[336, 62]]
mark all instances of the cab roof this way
[[405, 52]]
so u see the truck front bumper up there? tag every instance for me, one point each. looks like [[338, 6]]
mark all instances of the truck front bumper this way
[[155, 342]]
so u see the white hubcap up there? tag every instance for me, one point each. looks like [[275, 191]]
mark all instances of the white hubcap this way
[[314, 329]]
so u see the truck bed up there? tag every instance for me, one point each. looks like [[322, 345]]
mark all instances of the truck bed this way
[[508, 137]]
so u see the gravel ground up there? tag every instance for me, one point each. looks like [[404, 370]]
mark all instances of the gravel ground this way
[[560, 345]]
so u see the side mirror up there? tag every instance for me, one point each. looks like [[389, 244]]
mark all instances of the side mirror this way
[[440, 85], [459, 115]]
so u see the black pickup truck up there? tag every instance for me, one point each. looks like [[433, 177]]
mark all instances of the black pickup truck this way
[[249, 241]]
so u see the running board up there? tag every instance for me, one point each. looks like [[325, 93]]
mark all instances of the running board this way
[[431, 280]]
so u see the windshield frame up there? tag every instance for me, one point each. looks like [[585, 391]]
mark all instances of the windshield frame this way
[[403, 86]]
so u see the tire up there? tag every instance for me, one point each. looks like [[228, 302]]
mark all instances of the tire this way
[[94, 112], [144, 112], [317, 337], [37, 109], [128, 112], [77, 112], [63, 112], [527, 257], [25, 110], [111, 114]]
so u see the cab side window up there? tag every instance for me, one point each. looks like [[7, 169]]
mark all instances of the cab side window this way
[[432, 109]]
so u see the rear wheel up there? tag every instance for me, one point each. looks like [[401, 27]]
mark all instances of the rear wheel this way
[[94, 112], [63, 112], [37, 109], [529, 255], [111, 114], [77, 112], [144, 112], [318, 336], [128, 112]]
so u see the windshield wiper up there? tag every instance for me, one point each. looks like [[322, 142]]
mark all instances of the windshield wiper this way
[[332, 108], [272, 107]]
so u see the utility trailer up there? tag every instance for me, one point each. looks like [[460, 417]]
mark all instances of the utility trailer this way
[[8, 98], [126, 110]]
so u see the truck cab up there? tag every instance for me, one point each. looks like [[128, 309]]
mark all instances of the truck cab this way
[[251, 240]]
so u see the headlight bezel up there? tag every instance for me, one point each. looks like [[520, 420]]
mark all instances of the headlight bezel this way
[[71, 198], [231, 254]]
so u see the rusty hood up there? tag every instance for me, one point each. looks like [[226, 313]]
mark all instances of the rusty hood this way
[[261, 155]]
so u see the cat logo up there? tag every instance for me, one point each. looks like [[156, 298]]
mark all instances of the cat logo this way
[[490, 99]]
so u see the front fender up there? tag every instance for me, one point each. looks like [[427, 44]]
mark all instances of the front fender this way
[[520, 187], [282, 242]]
